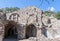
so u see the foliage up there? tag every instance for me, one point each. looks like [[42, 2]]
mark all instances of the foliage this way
[[48, 13], [57, 15], [8, 10]]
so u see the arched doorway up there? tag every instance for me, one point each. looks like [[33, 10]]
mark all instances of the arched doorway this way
[[10, 30], [31, 31]]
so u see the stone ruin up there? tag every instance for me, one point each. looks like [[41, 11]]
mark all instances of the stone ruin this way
[[28, 24]]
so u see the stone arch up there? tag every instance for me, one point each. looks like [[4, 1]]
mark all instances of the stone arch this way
[[31, 31], [10, 30], [14, 16]]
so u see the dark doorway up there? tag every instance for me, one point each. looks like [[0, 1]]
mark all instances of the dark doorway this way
[[10, 31], [31, 31], [44, 31]]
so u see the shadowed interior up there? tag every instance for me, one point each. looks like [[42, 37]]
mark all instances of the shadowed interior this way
[[31, 31], [10, 31]]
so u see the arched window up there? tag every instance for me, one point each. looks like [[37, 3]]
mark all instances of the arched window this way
[[49, 21], [14, 17]]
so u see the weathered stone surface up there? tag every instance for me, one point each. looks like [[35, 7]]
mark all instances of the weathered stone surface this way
[[39, 26], [27, 16]]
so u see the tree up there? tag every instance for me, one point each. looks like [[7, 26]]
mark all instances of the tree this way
[[8, 10], [48, 13], [57, 15], [11, 9]]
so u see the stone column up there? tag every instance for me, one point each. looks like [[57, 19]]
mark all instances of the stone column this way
[[39, 26], [38, 34], [1, 33], [21, 32]]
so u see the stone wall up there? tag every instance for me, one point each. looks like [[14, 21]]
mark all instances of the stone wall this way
[[27, 16], [24, 18]]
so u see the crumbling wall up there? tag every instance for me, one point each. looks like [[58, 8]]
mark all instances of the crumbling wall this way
[[1, 31], [31, 15]]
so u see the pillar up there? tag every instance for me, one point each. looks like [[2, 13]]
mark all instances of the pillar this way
[[1, 33]]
